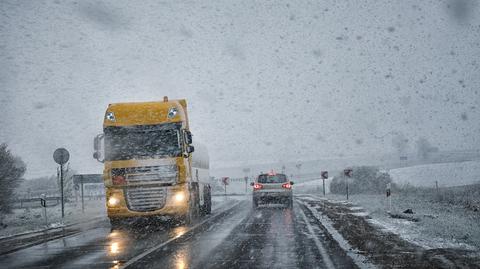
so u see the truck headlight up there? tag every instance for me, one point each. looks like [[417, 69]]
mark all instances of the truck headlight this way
[[179, 197], [113, 201]]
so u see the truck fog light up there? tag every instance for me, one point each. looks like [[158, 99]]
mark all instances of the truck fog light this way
[[179, 197], [112, 201]]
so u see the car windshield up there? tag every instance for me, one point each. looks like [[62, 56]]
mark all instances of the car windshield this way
[[140, 142], [278, 178]]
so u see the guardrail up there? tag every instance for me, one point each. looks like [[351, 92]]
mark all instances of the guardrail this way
[[35, 202]]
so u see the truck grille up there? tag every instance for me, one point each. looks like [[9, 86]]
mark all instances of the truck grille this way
[[148, 174], [145, 198]]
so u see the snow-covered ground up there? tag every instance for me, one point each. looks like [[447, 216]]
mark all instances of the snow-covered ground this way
[[447, 174], [33, 219], [439, 225]]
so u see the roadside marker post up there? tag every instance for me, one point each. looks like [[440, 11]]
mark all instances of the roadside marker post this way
[[389, 196], [246, 184], [83, 197], [43, 203]]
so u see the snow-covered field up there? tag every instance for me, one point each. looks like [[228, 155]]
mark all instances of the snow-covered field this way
[[447, 174]]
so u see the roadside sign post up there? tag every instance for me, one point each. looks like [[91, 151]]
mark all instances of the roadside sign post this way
[[389, 196], [347, 173], [61, 156], [43, 203], [225, 183], [324, 176], [79, 180]]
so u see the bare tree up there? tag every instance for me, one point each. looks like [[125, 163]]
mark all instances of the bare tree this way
[[12, 169]]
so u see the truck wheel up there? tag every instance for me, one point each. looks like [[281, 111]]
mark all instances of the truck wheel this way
[[193, 211], [115, 223]]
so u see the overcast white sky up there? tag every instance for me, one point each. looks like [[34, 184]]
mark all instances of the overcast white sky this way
[[265, 80]]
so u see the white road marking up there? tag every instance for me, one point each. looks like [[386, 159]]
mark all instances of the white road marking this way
[[148, 251], [326, 259]]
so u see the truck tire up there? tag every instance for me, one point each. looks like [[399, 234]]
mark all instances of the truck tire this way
[[115, 223], [193, 207]]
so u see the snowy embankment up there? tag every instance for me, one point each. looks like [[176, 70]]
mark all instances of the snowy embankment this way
[[446, 174], [438, 226], [33, 219]]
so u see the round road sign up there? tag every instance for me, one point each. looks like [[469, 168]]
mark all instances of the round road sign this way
[[61, 156]]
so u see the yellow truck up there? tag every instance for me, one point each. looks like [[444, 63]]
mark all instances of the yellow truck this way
[[151, 167]]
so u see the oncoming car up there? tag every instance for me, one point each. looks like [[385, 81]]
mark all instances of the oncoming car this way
[[274, 188]]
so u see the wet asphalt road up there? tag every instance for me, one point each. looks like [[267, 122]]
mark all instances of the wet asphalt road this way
[[234, 236]]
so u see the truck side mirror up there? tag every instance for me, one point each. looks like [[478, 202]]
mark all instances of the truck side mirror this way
[[97, 147], [96, 143], [291, 182], [252, 183]]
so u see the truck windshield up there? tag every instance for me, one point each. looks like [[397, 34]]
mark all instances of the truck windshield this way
[[278, 178], [140, 142]]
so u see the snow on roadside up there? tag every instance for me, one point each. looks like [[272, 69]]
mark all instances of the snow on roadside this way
[[23, 221], [409, 231], [438, 227]]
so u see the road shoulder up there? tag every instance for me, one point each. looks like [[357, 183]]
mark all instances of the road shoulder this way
[[383, 248]]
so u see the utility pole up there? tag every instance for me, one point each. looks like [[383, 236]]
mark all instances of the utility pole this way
[[346, 180], [347, 174]]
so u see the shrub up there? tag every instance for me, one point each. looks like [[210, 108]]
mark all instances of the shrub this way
[[12, 169], [365, 179]]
